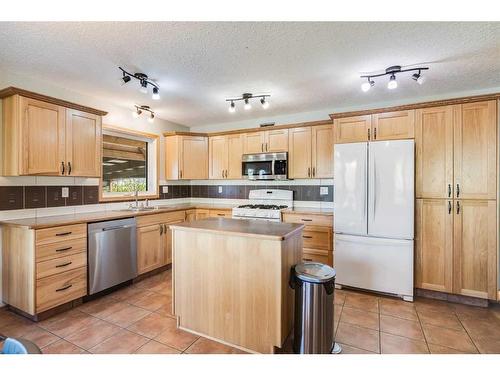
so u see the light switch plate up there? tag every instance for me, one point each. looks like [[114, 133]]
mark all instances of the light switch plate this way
[[65, 192], [164, 189], [220, 189], [323, 190]]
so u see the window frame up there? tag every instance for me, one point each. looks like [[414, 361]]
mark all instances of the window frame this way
[[153, 166]]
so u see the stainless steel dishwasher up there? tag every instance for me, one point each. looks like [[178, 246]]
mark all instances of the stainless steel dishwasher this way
[[112, 253]]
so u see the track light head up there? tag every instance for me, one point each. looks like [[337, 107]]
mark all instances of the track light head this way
[[144, 87], [136, 113], [247, 105], [156, 93], [392, 84], [232, 107], [417, 77], [151, 118], [367, 85], [264, 102], [125, 78]]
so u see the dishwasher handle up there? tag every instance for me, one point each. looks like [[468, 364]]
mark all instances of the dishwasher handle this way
[[117, 227]]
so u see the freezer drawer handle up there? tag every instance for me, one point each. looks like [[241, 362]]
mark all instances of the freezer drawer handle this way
[[63, 265], [64, 288], [63, 234], [64, 249]]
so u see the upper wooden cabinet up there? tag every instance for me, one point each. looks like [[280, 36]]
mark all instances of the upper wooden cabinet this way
[[186, 157], [475, 149], [265, 141], [225, 152], [434, 152], [352, 129], [322, 151], [393, 125], [42, 138]]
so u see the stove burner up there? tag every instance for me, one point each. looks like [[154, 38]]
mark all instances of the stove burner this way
[[263, 206]]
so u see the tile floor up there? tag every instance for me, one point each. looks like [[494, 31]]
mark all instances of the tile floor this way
[[138, 319]]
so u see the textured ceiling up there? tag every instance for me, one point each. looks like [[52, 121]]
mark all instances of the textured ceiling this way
[[305, 66]]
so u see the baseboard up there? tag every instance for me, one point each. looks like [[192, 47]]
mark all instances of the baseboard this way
[[454, 298]]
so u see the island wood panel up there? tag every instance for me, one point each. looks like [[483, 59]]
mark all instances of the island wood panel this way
[[475, 248], [434, 244], [83, 144], [322, 151], [253, 143], [299, 157], [276, 140], [239, 285], [434, 152], [475, 150], [235, 153], [393, 125], [167, 242], [353, 129]]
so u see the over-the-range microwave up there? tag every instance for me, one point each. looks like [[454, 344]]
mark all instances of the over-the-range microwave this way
[[265, 166]]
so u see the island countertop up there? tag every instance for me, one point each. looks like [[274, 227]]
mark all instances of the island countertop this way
[[250, 228]]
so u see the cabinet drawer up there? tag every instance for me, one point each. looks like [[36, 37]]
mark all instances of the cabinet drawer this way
[[63, 233], [58, 289], [220, 213], [319, 238], [160, 218], [60, 249], [313, 255], [321, 220], [60, 265]]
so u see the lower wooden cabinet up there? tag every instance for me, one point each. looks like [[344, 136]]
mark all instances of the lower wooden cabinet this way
[[220, 213], [456, 246]]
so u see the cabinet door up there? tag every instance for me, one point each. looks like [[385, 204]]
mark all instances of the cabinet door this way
[[434, 152], [42, 132], [299, 157], [322, 151], [434, 244], [234, 152], [190, 215], [475, 259], [149, 248], [202, 214], [276, 140], [193, 158], [393, 125], [253, 143], [83, 144], [475, 148], [167, 242], [217, 157], [352, 129]]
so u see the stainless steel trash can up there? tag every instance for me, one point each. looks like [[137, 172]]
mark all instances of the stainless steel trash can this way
[[314, 285]]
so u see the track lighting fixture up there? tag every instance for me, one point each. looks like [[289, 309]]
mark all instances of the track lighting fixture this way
[[246, 98], [139, 109], [144, 82], [393, 71]]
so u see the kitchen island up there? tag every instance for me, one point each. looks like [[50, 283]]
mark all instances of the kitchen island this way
[[230, 280]]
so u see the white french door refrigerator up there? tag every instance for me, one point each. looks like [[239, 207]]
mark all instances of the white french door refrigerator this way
[[373, 216]]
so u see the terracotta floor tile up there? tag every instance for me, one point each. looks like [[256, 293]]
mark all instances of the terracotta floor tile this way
[[152, 302], [401, 327], [465, 312], [147, 283], [339, 297], [124, 342], [360, 318], [166, 309], [391, 344], [162, 287], [440, 319], [127, 316], [40, 337], [138, 296], [18, 328], [358, 337], [9, 317], [347, 349], [206, 346], [151, 325], [154, 347], [479, 329], [93, 334], [102, 308], [176, 338], [427, 304], [404, 310], [361, 302], [487, 345], [451, 338], [438, 349], [125, 293], [67, 323], [62, 347]]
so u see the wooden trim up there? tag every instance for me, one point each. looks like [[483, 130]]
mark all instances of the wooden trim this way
[[172, 133], [10, 91], [119, 129], [405, 107]]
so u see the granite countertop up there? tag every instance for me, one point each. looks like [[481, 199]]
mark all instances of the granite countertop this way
[[248, 228]]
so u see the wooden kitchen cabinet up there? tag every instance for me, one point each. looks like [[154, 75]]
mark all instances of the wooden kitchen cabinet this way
[[186, 157], [352, 129], [300, 157], [275, 140], [434, 244], [225, 155], [322, 151], [150, 248], [475, 248], [44, 138], [220, 213], [393, 125], [434, 152], [475, 150], [235, 153], [253, 143]]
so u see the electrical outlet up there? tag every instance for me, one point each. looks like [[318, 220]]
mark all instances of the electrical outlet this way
[[323, 190], [220, 189], [164, 189], [65, 192]]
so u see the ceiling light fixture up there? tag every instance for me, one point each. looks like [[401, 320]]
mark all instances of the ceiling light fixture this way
[[139, 109], [392, 71], [246, 98], [144, 82]]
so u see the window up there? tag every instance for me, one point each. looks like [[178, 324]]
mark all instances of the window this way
[[129, 164]]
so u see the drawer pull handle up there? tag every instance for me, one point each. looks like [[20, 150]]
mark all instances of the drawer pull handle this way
[[64, 249], [64, 234], [64, 265], [306, 236], [64, 288], [306, 219], [221, 214], [308, 259]]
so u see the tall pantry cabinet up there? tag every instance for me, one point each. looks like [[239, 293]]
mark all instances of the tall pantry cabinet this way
[[456, 207]]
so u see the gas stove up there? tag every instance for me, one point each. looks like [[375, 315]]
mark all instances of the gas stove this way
[[265, 204]]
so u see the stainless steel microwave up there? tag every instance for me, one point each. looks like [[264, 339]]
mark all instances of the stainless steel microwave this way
[[266, 166]]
